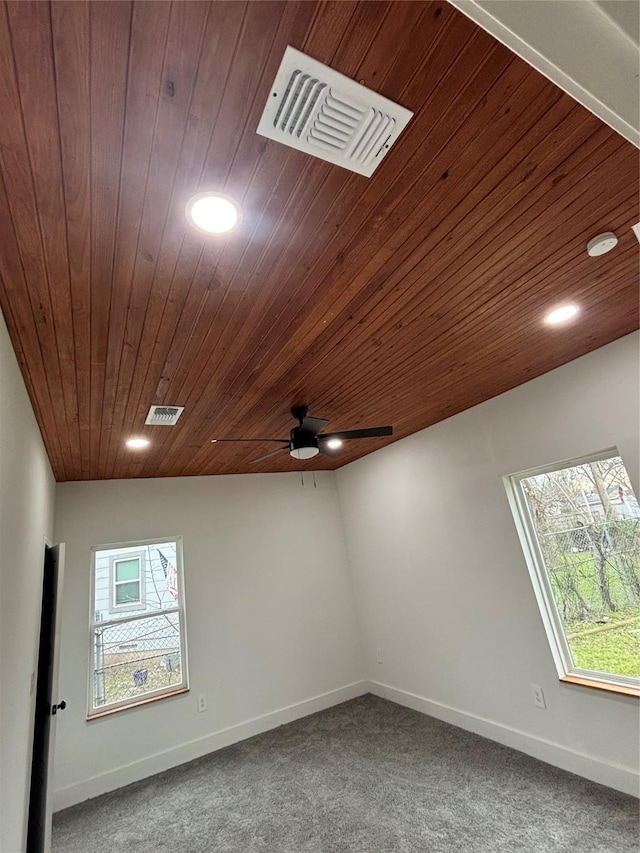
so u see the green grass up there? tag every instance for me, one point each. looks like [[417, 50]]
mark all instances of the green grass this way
[[615, 650], [119, 682]]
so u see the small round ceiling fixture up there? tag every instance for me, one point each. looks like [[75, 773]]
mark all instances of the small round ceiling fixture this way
[[213, 213], [137, 443], [561, 315], [304, 452], [602, 244], [334, 443]]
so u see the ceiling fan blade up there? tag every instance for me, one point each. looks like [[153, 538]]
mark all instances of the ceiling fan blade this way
[[313, 425], [324, 448], [371, 432], [279, 440], [269, 455]]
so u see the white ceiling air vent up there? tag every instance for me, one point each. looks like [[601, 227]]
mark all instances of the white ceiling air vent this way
[[317, 110], [164, 415]]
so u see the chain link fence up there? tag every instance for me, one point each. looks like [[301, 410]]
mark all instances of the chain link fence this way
[[135, 657], [594, 568]]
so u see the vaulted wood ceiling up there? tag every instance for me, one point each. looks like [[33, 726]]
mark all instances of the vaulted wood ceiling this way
[[399, 299]]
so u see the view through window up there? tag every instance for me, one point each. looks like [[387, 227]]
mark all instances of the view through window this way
[[582, 534], [137, 626]]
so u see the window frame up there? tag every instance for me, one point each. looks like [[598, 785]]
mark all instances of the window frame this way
[[94, 713], [541, 581]]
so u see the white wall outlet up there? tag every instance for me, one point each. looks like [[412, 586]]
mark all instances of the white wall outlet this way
[[379, 654], [202, 703], [538, 696]]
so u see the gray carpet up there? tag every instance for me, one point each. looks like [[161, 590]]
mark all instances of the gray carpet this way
[[365, 776]]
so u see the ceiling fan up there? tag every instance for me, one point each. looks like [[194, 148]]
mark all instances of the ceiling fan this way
[[306, 440]]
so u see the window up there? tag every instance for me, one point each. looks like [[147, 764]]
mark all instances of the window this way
[[137, 630], [579, 525], [127, 579]]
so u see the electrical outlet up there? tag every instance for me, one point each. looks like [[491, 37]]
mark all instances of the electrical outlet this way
[[202, 703], [379, 654], [538, 696]]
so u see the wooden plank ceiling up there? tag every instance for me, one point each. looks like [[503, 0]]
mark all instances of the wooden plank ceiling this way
[[399, 299]]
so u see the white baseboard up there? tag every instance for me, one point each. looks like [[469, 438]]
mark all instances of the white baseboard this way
[[141, 769], [613, 776]]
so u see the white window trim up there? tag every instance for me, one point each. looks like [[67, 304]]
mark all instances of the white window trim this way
[[540, 579], [144, 698]]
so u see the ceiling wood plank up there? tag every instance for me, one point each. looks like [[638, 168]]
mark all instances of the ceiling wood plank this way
[[485, 292], [21, 189], [440, 355], [71, 51], [177, 260], [432, 304], [110, 29], [159, 88], [30, 26]]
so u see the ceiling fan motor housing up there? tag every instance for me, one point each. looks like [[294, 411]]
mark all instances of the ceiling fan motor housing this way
[[303, 438], [304, 445]]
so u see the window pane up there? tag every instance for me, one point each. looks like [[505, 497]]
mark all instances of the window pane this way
[[134, 658], [127, 570], [128, 592], [587, 522]]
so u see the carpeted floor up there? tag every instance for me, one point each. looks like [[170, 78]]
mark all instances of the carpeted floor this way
[[367, 776]]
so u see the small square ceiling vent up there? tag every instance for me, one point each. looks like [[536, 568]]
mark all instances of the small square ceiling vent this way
[[164, 415], [317, 110]]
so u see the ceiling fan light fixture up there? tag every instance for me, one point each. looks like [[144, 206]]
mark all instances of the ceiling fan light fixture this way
[[334, 443], [213, 213], [304, 452]]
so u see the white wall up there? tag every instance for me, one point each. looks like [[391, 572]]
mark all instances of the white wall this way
[[270, 617], [441, 582], [26, 517]]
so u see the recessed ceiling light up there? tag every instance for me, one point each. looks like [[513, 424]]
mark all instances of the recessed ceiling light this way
[[334, 443], [561, 315], [213, 213], [137, 443]]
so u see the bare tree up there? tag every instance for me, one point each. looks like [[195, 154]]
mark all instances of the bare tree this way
[[575, 512]]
